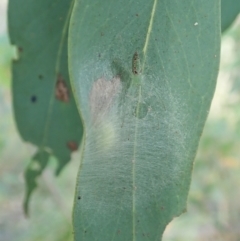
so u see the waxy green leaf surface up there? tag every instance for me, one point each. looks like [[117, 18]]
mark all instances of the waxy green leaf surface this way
[[229, 11], [144, 74]]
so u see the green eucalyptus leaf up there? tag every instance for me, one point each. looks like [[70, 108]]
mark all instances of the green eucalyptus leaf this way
[[144, 74], [45, 110], [34, 169], [229, 11]]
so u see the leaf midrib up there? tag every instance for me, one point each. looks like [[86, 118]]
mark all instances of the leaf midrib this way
[[145, 48]]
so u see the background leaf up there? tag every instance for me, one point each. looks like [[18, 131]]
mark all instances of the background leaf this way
[[45, 110], [144, 75], [229, 10]]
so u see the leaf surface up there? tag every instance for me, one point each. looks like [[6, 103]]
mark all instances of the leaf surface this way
[[144, 74], [229, 11], [44, 107]]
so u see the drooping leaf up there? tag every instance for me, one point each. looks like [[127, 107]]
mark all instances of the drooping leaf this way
[[144, 74], [229, 11], [45, 110], [35, 169]]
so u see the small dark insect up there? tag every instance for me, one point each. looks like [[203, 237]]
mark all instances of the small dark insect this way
[[79, 197], [135, 64]]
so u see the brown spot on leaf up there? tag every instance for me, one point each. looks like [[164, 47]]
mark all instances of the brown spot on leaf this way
[[61, 90], [72, 145]]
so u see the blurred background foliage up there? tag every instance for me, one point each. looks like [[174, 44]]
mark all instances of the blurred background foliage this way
[[214, 198]]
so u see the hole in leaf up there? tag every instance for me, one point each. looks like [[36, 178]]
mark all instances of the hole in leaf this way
[[33, 98]]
